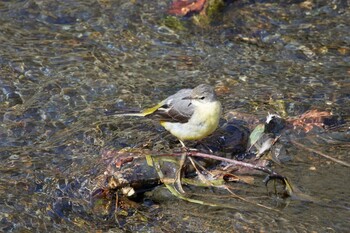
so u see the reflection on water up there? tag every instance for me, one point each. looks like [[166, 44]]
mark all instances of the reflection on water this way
[[63, 62]]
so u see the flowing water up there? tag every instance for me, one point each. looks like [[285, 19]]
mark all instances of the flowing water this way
[[63, 63]]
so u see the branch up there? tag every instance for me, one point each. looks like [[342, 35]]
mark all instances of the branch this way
[[272, 174], [320, 153]]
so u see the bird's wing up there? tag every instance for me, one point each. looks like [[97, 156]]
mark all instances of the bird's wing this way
[[173, 109]]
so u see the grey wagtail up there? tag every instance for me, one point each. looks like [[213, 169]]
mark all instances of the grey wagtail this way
[[189, 114]]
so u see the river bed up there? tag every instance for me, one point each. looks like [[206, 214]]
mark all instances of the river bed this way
[[64, 63]]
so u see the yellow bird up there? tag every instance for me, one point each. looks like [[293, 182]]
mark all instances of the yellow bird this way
[[189, 114]]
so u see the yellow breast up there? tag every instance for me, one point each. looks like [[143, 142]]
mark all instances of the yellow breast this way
[[202, 123]]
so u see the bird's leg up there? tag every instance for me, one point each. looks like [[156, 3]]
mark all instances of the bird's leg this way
[[182, 144], [181, 165]]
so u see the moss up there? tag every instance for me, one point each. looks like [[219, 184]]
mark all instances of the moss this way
[[174, 23], [210, 13], [214, 8]]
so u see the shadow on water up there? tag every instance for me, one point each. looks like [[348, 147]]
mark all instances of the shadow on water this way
[[63, 63]]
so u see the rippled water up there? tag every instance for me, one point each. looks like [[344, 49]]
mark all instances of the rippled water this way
[[62, 63]]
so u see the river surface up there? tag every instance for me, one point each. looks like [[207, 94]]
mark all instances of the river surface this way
[[63, 63]]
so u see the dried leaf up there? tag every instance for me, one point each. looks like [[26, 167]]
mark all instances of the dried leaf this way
[[184, 7], [310, 119], [234, 178]]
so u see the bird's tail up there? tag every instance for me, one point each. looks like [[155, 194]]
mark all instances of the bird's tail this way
[[121, 114], [146, 112]]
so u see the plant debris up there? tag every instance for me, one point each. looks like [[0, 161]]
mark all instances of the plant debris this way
[[184, 7], [310, 119], [131, 170]]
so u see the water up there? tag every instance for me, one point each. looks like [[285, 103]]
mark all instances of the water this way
[[63, 63]]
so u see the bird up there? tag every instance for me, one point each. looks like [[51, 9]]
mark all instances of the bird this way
[[189, 114]]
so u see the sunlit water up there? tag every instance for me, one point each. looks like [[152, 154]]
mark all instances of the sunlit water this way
[[62, 63]]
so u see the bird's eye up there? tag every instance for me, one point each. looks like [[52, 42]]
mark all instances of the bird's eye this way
[[202, 98]]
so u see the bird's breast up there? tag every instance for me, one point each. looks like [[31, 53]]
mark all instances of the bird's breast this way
[[202, 123]]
